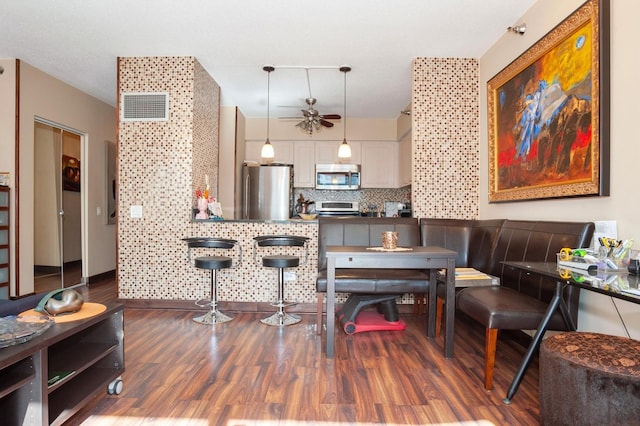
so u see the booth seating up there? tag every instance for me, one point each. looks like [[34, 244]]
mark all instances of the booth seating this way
[[280, 261], [518, 303], [212, 262], [521, 300], [589, 379]]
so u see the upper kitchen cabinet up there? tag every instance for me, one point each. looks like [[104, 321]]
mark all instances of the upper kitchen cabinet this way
[[379, 165], [304, 164], [283, 151], [327, 152]]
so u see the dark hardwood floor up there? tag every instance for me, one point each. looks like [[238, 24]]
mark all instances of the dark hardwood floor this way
[[178, 372]]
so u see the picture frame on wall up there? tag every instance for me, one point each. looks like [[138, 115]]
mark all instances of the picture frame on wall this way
[[548, 114]]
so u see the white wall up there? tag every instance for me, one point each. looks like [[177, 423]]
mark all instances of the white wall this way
[[44, 96], [598, 313], [358, 129]]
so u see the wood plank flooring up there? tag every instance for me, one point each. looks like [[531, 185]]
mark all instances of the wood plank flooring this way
[[179, 372]]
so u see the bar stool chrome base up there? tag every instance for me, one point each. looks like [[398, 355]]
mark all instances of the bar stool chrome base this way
[[212, 317], [281, 319]]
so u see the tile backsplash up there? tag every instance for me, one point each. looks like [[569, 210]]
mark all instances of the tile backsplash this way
[[364, 197]]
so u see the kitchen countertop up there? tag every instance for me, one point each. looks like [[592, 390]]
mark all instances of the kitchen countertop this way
[[292, 220]]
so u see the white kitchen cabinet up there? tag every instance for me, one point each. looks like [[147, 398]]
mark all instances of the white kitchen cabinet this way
[[404, 160], [304, 165], [283, 151], [379, 165], [327, 153]]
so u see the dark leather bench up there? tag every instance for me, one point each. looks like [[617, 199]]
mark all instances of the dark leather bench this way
[[367, 232], [520, 301]]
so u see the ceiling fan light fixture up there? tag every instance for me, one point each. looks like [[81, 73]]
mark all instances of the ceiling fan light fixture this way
[[345, 150], [267, 151]]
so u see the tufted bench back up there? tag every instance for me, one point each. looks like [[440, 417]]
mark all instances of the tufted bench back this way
[[365, 232]]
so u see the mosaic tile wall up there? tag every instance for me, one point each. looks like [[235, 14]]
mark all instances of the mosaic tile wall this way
[[364, 197], [251, 282], [155, 166], [445, 146], [206, 122], [162, 163]]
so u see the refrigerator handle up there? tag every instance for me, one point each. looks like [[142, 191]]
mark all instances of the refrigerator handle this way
[[245, 212]]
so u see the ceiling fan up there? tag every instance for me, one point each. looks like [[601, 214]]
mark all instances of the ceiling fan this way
[[311, 118]]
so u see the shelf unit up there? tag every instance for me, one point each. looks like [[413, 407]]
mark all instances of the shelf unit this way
[[92, 349], [4, 242]]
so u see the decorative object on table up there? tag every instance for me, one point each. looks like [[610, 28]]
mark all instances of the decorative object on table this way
[[389, 240], [22, 328], [202, 200], [548, 114], [308, 216], [393, 249], [88, 310], [58, 302]]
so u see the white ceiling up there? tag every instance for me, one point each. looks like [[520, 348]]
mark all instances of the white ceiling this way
[[78, 41]]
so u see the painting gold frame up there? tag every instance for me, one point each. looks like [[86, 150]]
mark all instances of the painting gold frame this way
[[548, 114]]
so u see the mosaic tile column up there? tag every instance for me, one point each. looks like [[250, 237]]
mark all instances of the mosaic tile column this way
[[159, 167], [445, 122]]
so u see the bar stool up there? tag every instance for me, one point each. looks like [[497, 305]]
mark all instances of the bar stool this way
[[212, 263], [280, 261]]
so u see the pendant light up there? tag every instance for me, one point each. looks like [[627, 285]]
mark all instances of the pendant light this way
[[267, 149], [345, 150]]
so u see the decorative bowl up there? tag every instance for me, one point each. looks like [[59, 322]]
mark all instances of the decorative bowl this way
[[308, 216]]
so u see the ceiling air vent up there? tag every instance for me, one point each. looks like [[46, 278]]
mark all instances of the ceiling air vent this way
[[145, 106]]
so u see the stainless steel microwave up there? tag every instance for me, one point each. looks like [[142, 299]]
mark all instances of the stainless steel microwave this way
[[338, 176]]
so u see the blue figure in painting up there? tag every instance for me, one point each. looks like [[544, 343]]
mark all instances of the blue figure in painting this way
[[529, 122], [540, 108]]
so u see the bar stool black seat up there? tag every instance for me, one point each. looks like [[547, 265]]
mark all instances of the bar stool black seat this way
[[280, 261], [213, 262]]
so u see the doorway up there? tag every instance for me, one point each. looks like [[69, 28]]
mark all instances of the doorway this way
[[57, 203]]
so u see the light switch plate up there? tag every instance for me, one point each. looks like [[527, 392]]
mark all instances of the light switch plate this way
[[136, 212]]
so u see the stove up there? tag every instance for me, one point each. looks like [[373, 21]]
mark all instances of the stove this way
[[337, 208]]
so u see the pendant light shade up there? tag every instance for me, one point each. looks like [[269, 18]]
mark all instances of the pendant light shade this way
[[345, 150], [267, 149]]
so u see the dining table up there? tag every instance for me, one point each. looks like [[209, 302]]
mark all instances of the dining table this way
[[432, 259]]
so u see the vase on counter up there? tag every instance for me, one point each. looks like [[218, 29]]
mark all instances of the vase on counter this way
[[202, 206]]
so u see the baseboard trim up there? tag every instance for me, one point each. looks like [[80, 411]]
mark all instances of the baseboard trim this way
[[261, 307], [99, 278]]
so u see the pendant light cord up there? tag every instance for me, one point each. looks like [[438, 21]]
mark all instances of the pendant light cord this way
[[268, 69], [345, 69]]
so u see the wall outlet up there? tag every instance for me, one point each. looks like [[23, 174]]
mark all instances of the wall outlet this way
[[289, 276]]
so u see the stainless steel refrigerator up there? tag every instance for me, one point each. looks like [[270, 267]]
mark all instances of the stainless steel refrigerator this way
[[267, 191]]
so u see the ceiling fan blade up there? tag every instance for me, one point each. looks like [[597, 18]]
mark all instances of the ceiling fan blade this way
[[326, 123], [331, 116]]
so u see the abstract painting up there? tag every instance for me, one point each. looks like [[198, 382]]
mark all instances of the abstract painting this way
[[548, 114]]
